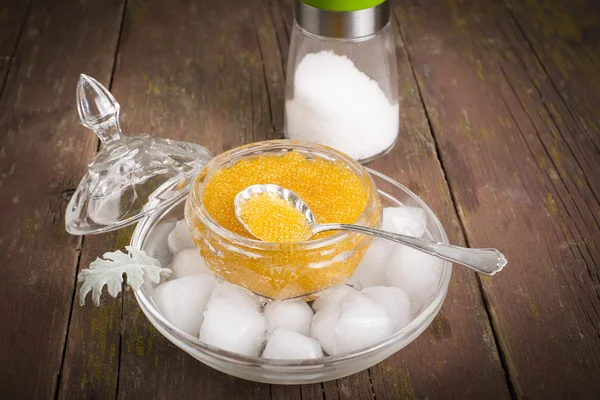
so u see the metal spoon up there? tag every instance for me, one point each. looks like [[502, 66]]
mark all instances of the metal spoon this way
[[484, 261]]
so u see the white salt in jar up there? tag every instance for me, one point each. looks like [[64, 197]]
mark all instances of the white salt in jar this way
[[341, 88]]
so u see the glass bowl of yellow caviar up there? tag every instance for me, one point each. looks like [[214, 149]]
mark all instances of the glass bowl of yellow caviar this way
[[151, 235], [335, 187]]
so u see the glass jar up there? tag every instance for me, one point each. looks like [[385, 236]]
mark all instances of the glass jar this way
[[341, 87], [279, 270]]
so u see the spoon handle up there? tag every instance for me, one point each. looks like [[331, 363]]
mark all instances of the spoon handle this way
[[484, 261]]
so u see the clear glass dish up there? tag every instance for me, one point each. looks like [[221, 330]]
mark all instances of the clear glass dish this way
[[151, 236]]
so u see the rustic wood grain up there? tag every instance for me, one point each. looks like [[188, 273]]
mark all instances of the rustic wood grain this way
[[91, 361], [41, 160], [357, 386], [505, 152], [514, 174], [292, 392], [561, 41], [12, 21]]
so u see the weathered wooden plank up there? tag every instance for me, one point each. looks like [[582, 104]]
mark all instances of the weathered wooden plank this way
[[91, 361], [357, 386], [41, 160], [280, 12], [300, 392], [503, 154], [568, 112], [564, 116], [561, 39], [273, 45], [12, 21]]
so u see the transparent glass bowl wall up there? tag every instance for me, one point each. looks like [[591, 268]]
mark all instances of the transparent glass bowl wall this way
[[280, 270], [373, 55], [151, 236]]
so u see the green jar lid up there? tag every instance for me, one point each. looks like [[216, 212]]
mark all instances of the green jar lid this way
[[342, 5]]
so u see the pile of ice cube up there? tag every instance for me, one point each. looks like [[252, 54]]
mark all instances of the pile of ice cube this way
[[388, 289]]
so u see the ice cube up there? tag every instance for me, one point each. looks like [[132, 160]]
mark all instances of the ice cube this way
[[415, 272], [180, 237], [284, 344], [182, 301], [232, 327], [323, 326], [410, 221], [156, 245], [237, 296], [394, 301], [292, 315], [335, 295], [188, 262], [371, 269], [362, 323]]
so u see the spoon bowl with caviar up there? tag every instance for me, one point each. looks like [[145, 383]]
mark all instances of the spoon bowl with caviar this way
[[272, 213]]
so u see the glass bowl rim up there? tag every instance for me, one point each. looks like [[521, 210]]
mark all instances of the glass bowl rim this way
[[146, 304], [215, 228]]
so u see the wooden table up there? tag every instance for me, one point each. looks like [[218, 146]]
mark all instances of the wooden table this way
[[500, 135]]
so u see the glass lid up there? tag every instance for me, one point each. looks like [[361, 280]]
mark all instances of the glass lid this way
[[130, 177]]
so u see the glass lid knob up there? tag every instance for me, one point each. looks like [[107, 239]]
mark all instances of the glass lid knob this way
[[98, 109]]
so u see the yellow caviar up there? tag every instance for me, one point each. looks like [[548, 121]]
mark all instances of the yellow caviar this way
[[284, 270], [273, 219], [332, 191]]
